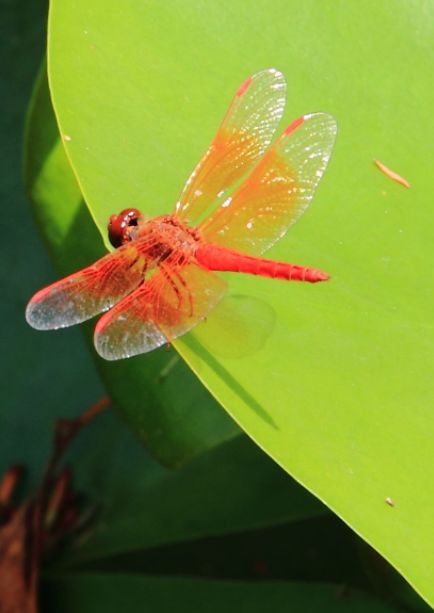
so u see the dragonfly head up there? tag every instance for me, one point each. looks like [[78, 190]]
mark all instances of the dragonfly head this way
[[119, 226]]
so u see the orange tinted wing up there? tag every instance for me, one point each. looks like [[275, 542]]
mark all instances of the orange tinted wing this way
[[278, 190], [170, 304], [88, 292], [244, 135]]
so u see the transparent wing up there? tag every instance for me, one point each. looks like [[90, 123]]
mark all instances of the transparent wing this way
[[170, 304], [244, 136], [88, 292], [278, 190]]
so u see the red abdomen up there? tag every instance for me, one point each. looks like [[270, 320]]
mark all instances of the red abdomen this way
[[222, 259]]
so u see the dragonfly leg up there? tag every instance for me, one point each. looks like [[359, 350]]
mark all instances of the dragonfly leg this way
[[184, 284], [169, 274]]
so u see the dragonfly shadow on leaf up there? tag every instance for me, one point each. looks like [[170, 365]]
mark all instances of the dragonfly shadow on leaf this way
[[195, 343]]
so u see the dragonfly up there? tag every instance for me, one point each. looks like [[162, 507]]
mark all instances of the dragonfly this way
[[162, 278]]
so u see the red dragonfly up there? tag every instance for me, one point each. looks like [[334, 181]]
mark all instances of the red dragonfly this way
[[160, 282]]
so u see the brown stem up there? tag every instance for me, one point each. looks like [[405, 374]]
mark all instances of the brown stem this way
[[65, 430]]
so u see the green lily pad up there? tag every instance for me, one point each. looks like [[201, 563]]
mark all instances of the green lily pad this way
[[340, 393], [232, 488]]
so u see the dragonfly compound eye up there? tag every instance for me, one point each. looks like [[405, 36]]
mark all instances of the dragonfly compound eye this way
[[119, 225]]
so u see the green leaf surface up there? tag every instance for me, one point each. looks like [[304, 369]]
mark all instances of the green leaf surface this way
[[340, 393], [116, 592], [175, 426]]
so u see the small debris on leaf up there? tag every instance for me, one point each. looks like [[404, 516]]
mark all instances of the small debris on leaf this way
[[391, 174]]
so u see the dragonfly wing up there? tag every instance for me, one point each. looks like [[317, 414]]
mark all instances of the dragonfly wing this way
[[88, 292], [170, 304], [278, 190], [243, 137]]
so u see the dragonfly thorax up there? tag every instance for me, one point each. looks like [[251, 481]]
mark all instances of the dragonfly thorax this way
[[165, 235]]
